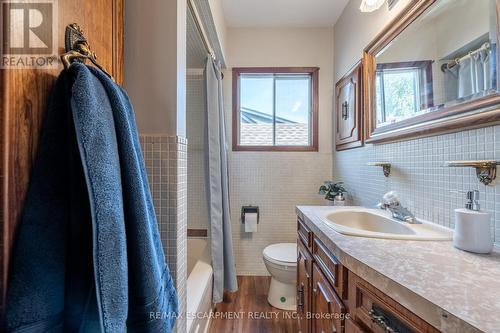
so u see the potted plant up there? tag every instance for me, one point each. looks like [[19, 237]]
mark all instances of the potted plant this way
[[333, 192]]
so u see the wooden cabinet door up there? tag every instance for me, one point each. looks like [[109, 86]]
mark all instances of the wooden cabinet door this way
[[328, 312], [24, 96], [349, 110], [304, 266]]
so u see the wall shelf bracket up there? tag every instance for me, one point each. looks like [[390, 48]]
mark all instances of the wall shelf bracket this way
[[386, 167], [486, 170]]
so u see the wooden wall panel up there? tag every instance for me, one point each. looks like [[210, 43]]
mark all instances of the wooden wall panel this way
[[24, 95]]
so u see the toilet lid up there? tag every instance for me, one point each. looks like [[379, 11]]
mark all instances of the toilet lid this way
[[282, 252]]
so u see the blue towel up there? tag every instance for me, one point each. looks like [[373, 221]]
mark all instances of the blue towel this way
[[87, 255]]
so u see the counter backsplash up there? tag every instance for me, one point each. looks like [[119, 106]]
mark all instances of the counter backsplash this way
[[425, 185]]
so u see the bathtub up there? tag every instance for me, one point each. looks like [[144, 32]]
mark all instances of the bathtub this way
[[199, 285]]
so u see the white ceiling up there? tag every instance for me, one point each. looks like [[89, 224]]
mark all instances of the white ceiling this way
[[282, 13]]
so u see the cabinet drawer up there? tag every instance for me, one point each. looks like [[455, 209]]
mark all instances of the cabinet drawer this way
[[379, 313], [304, 233], [331, 267]]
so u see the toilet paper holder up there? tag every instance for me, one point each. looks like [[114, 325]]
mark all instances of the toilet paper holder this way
[[249, 209]]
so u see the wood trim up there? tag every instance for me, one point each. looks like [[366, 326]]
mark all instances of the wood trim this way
[[409, 14], [4, 176], [350, 145], [447, 125], [314, 71], [448, 119], [118, 41], [311, 148], [273, 70], [197, 233]]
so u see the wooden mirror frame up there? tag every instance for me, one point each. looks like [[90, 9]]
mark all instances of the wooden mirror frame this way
[[468, 114]]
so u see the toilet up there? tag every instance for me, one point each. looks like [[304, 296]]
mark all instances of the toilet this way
[[281, 262]]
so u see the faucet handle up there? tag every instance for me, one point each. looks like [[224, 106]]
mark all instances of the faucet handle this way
[[391, 198]]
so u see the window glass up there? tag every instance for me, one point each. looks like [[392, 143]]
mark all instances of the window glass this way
[[275, 109], [400, 92], [256, 110], [293, 109]]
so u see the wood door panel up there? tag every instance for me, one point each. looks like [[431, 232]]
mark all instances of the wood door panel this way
[[346, 122], [304, 266], [24, 95], [348, 103], [327, 309]]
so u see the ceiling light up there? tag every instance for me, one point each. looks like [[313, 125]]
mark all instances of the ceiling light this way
[[370, 5]]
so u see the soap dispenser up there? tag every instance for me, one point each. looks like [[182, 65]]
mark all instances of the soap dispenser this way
[[472, 226]]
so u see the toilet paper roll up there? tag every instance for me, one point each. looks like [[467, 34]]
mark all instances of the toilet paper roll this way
[[250, 222]]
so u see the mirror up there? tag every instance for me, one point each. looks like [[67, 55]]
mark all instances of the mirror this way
[[438, 59]]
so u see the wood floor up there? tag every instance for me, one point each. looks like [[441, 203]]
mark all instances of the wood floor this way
[[250, 311]]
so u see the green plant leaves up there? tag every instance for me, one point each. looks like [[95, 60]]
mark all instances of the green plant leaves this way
[[331, 189]]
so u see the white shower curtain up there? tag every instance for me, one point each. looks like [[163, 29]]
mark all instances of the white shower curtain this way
[[474, 74], [220, 222]]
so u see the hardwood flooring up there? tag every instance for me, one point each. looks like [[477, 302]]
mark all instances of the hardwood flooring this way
[[247, 310]]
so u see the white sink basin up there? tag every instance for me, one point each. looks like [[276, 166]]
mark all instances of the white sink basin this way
[[376, 223]]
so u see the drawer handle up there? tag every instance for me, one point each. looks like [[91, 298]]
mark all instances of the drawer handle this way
[[300, 295], [381, 321]]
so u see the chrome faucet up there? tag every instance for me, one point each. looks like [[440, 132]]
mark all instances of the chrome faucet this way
[[390, 202]]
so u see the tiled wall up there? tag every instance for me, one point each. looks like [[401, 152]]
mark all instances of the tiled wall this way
[[419, 174], [166, 163], [276, 182], [198, 213]]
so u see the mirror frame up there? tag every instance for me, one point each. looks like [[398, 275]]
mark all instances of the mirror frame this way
[[457, 117]]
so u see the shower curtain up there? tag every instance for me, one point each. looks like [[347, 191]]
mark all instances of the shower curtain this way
[[473, 75], [218, 193]]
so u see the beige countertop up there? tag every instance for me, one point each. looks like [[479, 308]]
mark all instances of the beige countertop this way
[[453, 290]]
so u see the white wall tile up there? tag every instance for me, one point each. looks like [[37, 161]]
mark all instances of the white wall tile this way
[[166, 163], [276, 182], [420, 176]]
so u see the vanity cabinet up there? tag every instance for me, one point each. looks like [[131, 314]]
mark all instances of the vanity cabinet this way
[[320, 286], [330, 298], [348, 106]]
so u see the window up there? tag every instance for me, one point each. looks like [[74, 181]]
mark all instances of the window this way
[[403, 90], [275, 109]]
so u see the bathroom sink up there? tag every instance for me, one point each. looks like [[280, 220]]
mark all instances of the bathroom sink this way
[[376, 223]]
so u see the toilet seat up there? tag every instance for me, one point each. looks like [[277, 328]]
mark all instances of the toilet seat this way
[[284, 254]]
